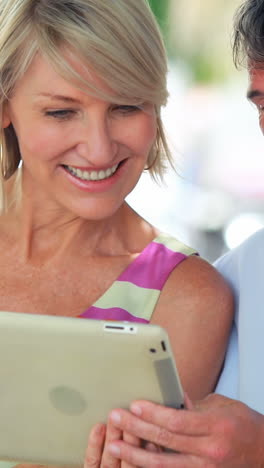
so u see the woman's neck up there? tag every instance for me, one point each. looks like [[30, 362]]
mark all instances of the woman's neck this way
[[52, 234], [41, 231]]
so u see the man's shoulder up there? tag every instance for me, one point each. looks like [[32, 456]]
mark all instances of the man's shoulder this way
[[243, 261], [252, 246]]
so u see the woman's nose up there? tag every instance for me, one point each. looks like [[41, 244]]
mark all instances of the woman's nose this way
[[97, 144]]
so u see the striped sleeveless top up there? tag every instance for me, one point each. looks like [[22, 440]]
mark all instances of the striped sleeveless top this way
[[134, 295]]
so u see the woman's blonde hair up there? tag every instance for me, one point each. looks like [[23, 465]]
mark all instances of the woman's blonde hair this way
[[119, 39]]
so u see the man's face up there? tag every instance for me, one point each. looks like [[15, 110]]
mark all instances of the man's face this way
[[255, 92]]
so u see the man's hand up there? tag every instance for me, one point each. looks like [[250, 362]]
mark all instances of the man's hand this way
[[216, 433]]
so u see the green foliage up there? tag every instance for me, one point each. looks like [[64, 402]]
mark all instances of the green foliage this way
[[205, 69], [160, 9], [206, 63]]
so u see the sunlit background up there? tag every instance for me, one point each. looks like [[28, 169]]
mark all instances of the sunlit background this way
[[214, 200]]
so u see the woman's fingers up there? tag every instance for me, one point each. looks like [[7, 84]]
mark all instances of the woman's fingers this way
[[95, 447], [97, 456], [112, 434]]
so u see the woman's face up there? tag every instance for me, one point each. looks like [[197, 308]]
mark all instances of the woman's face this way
[[80, 153]]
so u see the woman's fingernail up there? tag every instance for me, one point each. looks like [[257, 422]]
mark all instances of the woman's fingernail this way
[[115, 417], [114, 450], [136, 409]]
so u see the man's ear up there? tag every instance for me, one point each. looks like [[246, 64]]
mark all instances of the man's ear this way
[[6, 121]]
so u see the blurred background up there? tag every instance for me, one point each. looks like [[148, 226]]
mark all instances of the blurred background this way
[[214, 200]]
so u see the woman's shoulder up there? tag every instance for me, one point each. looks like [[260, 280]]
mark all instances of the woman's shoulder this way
[[196, 278], [193, 273], [174, 244], [160, 257], [195, 282]]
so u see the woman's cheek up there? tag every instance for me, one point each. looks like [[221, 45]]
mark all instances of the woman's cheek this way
[[143, 134], [46, 144]]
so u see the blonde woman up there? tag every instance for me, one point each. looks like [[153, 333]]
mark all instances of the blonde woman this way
[[81, 89]]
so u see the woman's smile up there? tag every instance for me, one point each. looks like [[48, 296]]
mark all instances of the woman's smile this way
[[94, 181], [86, 174]]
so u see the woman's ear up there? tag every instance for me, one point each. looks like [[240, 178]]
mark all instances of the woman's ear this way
[[6, 121]]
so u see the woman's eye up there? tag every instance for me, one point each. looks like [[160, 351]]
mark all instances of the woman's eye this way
[[61, 114]]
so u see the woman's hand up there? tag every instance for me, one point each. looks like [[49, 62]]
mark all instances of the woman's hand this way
[[217, 433], [101, 435]]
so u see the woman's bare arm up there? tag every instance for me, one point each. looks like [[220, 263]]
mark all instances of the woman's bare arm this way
[[196, 309]]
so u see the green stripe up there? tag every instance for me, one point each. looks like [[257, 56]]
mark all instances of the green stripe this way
[[128, 296], [7, 464], [174, 244]]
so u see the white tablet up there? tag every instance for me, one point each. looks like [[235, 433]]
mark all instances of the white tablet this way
[[59, 376]]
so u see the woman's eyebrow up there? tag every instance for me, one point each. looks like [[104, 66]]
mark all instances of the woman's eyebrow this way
[[59, 97]]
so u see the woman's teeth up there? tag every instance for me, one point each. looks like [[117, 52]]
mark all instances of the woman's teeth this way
[[91, 175]]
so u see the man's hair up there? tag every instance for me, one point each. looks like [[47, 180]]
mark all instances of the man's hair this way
[[248, 40], [119, 39]]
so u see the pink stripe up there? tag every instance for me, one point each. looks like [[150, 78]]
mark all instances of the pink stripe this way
[[152, 274], [113, 313]]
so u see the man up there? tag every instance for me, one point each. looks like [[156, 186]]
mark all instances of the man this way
[[219, 431]]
